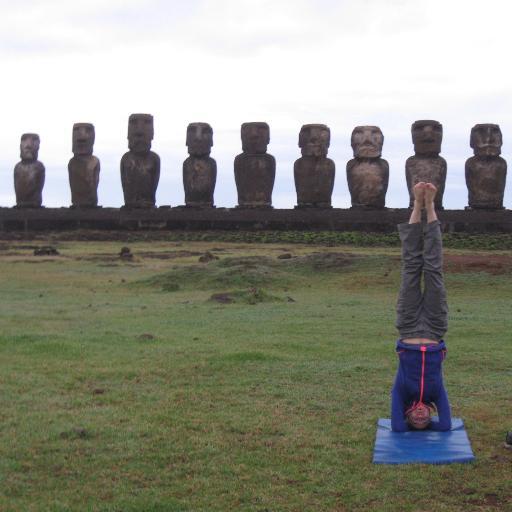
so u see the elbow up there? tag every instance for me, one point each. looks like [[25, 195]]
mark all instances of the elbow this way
[[442, 426], [445, 426], [398, 426]]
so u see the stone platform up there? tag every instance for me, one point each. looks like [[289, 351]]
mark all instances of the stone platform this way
[[301, 219]]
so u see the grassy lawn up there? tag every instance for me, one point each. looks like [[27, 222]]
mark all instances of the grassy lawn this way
[[124, 386]]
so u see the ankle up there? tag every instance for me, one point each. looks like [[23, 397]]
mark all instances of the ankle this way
[[431, 212]]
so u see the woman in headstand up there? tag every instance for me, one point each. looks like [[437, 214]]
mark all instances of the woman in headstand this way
[[422, 320]]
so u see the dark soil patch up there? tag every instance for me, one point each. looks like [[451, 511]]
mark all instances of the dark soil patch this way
[[76, 433], [168, 255], [494, 264], [223, 298], [325, 261], [251, 296], [489, 500], [46, 250], [146, 337]]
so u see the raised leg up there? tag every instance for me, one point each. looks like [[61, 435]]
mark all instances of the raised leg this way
[[435, 307], [410, 298]]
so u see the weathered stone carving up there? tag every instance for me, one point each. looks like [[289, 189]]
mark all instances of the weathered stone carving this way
[[199, 170], [84, 168], [140, 167], [426, 165], [29, 173], [367, 173], [486, 172], [314, 172], [255, 169]]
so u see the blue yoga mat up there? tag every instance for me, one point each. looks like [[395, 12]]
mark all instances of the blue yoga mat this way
[[422, 446]]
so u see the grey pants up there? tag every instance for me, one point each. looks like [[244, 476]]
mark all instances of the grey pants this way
[[422, 314]]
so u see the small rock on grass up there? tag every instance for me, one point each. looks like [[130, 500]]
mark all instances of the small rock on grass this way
[[125, 253]]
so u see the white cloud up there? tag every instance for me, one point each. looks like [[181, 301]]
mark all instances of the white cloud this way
[[340, 62]]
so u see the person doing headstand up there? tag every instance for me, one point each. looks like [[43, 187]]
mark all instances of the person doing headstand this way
[[422, 321]]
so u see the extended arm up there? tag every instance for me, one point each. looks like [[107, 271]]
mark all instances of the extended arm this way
[[398, 423]]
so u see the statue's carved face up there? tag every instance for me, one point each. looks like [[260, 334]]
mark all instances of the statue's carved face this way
[[486, 139], [140, 132], [314, 140], [255, 137], [29, 146], [427, 137], [199, 139], [83, 139], [367, 141]]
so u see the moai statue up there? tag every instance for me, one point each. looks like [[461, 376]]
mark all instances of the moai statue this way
[[367, 173], [486, 172], [255, 169], [84, 168], [199, 170], [29, 173], [140, 167], [426, 165], [314, 172]]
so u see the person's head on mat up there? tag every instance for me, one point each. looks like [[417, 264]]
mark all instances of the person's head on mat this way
[[418, 415]]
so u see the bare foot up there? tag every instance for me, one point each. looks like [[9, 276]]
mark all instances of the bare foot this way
[[419, 193], [419, 202], [430, 193]]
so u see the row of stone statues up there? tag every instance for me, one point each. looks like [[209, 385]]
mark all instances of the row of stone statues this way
[[367, 172]]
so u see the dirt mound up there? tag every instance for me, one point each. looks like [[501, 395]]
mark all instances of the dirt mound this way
[[494, 264], [247, 272], [207, 257]]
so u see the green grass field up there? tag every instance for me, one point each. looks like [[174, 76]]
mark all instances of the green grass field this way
[[124, 386]]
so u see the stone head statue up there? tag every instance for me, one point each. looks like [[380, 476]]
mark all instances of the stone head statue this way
[[255, 138], [314, 140], [199, 139], [29, 147], [140, 132], [486, 139], [427, 136], [83, 139], [367, 141]]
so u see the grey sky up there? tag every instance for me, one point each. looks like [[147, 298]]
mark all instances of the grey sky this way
[[287, 62]]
